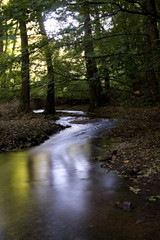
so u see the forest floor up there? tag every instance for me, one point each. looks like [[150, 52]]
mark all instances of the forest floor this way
[[24, 131], [138, 142]]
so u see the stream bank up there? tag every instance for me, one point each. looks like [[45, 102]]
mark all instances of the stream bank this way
[[19, 132], [137, 153]]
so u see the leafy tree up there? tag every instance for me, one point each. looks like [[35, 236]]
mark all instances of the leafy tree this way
[[100, 49]]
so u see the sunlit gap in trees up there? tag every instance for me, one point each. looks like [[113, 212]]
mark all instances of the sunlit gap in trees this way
[[4, 1], [55, 26]]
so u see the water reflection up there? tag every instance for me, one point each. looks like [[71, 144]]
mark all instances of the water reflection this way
[[39, 166], [71, 112], [58, 191]]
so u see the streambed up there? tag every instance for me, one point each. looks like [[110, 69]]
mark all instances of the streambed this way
[[58, 190]]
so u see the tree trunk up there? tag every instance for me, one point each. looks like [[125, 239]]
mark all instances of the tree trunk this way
[[1, 46], [13, 48], [50, 98], [92, 72], [1, 35], [152, 84], [6, 38], [15, 40], [158, 7], [24, 103], [103, 63], [152, 50], [154, 35]]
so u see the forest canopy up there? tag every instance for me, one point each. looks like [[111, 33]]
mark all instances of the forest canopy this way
[[104, 52]]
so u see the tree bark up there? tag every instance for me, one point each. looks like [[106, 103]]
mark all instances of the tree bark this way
[[24, 103], [158, 7], [1, 45], [152, 49], [6, 38], [92, 72], [103, 63], [1, 35], [50, 98]]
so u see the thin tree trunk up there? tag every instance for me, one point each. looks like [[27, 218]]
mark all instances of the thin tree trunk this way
[[92, 72], [50, 98], [1, 45], [1, 35], [158, 7], [154, 36], [24, 103], [6, 39], [13, 48], [15, 40]]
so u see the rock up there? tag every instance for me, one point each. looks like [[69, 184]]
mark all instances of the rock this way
[[105, 159], [139, 221], [114, 157], [102, 159], [110, 156], [127, 206], [134, 171], [114, 152], [103, 165]]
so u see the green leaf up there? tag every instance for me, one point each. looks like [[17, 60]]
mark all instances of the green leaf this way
[[152, 199]]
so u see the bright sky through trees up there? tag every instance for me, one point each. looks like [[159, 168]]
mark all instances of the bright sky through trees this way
[[53, 26]]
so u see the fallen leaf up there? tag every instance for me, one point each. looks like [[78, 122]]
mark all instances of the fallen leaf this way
[[152, 199], [135, 190], [126, 161]]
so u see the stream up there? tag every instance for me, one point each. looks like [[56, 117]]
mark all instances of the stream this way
[[59, 191]]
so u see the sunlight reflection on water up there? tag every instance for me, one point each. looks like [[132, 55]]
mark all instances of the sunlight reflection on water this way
[[58, 191], [56, 180]]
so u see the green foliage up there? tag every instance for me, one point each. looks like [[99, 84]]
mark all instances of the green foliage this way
[[119, 36]]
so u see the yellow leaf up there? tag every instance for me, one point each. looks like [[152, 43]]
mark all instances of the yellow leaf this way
[[126, 161]]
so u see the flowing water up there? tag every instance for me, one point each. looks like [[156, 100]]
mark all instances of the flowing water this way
[[57, 191]]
